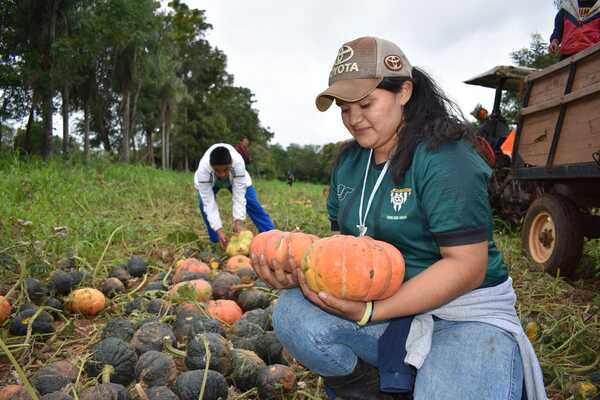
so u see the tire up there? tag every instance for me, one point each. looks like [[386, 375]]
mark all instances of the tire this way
[[552, 236]]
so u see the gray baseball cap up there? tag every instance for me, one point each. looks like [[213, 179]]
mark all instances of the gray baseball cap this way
[[359, 67]]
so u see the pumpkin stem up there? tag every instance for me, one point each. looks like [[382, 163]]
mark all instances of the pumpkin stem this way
[[110, 238], [107, 372], [22, 377], [134, 291], [207, 362], [171, 349]]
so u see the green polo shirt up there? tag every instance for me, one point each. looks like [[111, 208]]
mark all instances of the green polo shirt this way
[[442, 201]]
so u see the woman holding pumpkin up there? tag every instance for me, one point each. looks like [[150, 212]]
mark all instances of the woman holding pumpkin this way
[[413, 179]]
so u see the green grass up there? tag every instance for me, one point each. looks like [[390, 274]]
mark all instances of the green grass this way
[[100, 215]]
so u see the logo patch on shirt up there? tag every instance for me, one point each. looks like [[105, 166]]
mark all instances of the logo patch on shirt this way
[[398, 197], [342, 191]]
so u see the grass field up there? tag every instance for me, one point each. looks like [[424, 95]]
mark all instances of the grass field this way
[[98, 216]]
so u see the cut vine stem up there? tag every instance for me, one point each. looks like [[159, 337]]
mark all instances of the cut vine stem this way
[[22, 377], [107, 372], [171, 349]]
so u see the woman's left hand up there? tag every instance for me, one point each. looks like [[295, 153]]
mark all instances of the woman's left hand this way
[[349, 309]]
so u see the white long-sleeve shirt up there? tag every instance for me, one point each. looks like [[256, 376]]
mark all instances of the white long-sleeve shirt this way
[[205, 179]]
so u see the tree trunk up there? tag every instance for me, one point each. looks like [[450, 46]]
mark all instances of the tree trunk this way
[[2, 112], [65, 117], [28, 145], [47, 118], [124, 156], [103, 131], [132, 116], [98, 113], [163, 137], [168, 135], [186, 164], [86, 134], [49, 90], [150, 148]]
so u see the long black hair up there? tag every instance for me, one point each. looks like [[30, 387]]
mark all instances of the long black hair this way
[[429, 117]]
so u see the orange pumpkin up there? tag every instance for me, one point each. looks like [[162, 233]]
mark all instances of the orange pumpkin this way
[[201, 288], [235, 263], [225, 310], [191, 265], [11, 392], [5, 309], [86, 301], [281, 246], [353, 268]]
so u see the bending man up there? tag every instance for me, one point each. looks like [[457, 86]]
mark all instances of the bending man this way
[[221, 167]]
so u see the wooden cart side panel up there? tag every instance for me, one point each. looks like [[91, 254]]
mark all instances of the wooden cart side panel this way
[[588, 72], [549, 87], [580, 134], [536, 136]]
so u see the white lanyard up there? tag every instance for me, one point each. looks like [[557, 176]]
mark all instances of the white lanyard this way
[[362, 227]]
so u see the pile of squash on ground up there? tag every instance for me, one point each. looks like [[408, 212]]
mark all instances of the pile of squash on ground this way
[[198, 331]]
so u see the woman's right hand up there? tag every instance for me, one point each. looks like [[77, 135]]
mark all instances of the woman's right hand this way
[[275, 275]]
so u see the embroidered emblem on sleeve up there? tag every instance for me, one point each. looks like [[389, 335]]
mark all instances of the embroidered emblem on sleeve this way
[[342, 191]]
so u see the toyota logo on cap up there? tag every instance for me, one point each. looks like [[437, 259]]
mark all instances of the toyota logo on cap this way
[[344, 54], [393, 62]]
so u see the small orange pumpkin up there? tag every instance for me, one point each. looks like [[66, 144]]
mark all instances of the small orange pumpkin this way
[[235, 263], [11, 392], [191, 265], [353, 268], [5, 309], [201, 288], [225, 310], [86, 301]]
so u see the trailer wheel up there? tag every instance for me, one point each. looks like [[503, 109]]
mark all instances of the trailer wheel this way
[[552, 235]]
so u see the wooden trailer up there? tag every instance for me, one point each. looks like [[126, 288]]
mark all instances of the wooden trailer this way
[[556, 161]]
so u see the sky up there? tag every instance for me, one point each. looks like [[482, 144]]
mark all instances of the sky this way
[[283, 50]]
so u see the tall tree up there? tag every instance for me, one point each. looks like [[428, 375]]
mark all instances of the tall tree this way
[[126, 28]]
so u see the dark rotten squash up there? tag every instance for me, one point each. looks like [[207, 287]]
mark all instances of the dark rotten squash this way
[[36, 290], [120, 328], [115, 353], [275, 382], [220, 353], [152, 336], [56, 396], [160, 393], [105, 391], [246, 366], [251, 299], [189, 383], [259, 317], [136, 266], [43, 323], [155, 369], [54, 377]]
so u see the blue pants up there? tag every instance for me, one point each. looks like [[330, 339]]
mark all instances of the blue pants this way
[[257, 214], [467, 361]]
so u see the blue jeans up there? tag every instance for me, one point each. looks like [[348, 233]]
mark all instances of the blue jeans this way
[[257, 214], [468, 360]]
